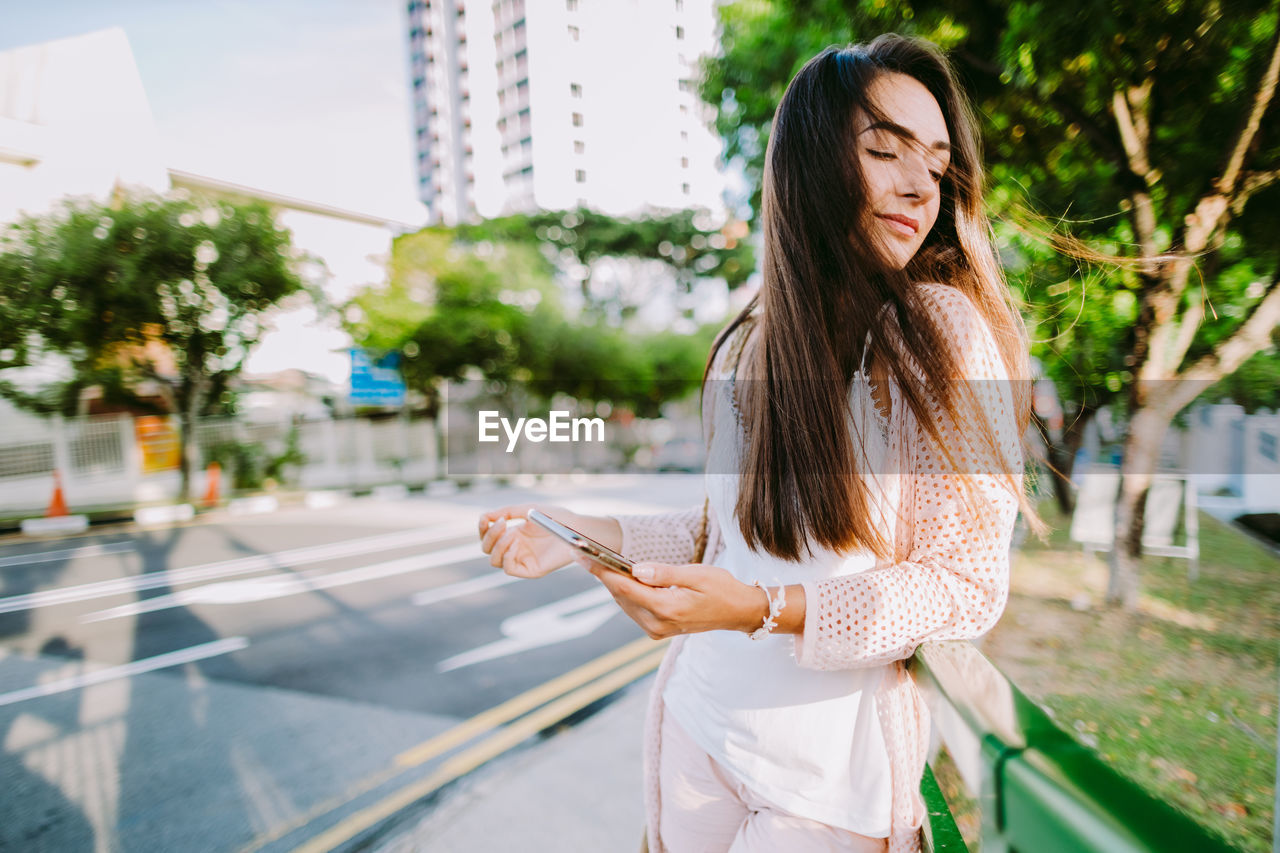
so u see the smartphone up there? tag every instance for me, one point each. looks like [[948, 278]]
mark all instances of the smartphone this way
[[606, 557]]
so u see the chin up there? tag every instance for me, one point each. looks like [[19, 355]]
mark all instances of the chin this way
[[899, 262]]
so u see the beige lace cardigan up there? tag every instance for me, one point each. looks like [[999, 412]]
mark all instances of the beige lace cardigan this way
[[950, 579]]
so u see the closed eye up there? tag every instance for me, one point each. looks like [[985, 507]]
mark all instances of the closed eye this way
[[889, 155]]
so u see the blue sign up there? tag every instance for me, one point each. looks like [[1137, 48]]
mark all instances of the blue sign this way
[[376, 384]]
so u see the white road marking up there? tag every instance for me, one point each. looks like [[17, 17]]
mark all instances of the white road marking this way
[[461, 588], [168, 659], [281, 585], [66, 554], [470, 587], [573, 617], [227, 568]]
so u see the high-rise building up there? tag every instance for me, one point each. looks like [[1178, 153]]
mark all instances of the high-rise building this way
[[526, 104]]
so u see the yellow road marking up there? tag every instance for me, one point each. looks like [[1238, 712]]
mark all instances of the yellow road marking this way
[[487, 749], [467, 730], [527, 701]]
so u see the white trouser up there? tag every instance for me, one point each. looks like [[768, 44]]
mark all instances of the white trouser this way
[[704, 809]]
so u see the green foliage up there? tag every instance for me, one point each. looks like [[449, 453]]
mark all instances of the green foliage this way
[[578, 239], [143, 288], [481, 301], [449, 307]]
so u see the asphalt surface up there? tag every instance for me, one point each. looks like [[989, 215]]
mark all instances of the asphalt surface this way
[[246, 683]]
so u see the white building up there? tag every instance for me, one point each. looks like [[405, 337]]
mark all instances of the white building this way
[[526, 104]]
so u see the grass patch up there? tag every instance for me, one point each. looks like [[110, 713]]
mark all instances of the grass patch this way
[[1180, 696]]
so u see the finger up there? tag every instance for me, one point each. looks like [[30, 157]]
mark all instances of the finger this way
[[491, 535], [503, 513], [664, 575], [496, 557], [632, 592]]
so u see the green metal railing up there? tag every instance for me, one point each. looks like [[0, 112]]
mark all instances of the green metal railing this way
[[1038, 790]]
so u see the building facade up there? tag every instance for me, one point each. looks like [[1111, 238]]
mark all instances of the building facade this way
[[527, 104]]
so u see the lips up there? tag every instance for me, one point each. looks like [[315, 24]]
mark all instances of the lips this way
[[905, 224]]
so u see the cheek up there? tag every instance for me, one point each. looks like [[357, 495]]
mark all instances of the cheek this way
[[878, 177], [933, 208]]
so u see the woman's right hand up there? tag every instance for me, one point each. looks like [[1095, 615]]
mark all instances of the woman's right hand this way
[[526, 550]]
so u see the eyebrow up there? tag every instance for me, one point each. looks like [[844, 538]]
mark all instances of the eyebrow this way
[[899, 130]]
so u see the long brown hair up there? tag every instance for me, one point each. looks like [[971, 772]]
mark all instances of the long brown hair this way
[[823, 291]]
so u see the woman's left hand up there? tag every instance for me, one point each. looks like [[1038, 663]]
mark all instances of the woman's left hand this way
[[685, 599]]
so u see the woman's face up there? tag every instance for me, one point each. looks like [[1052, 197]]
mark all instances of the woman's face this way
[[903, 159]]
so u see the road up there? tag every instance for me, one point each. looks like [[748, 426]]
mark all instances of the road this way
[[248, 683]]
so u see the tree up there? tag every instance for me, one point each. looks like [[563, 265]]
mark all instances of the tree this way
[[687, 243], [489, 304], [1147, 129], [449, 306], [141, 290]]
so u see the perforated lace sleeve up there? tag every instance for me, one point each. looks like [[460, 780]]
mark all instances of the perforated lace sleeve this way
[[955, 580], [666, 537]]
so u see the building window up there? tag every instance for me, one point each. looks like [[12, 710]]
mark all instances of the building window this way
[[577, 119], [580, 175], [573, 33], [684, 162], [575, 89], [679, 5], [684, 109], [571, 5], [684, 136], [579, 147], [679, 32], [1267, 445], [684, 188]]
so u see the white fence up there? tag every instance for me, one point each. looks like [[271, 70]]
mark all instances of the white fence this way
[[112, 460]]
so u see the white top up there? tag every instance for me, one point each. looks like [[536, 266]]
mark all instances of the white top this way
[[808, 741]]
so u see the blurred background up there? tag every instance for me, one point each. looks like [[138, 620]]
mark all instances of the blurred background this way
[[262, 264]]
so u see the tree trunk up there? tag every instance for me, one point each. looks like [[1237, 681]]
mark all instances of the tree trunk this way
[[1146, 433], [188, 451], [186, 454], [1062, 456]]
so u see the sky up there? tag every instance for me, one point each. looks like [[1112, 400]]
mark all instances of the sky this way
[[309, 99]]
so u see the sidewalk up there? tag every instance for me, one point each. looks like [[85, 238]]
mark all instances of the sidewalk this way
[[578, 790]]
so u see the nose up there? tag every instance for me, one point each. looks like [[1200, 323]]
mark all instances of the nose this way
[[917, 179]]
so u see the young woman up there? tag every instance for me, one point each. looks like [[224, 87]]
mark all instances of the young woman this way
[[864, 422]]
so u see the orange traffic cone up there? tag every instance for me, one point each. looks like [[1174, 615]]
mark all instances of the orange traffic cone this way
[[58, 503], [213, 484]]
